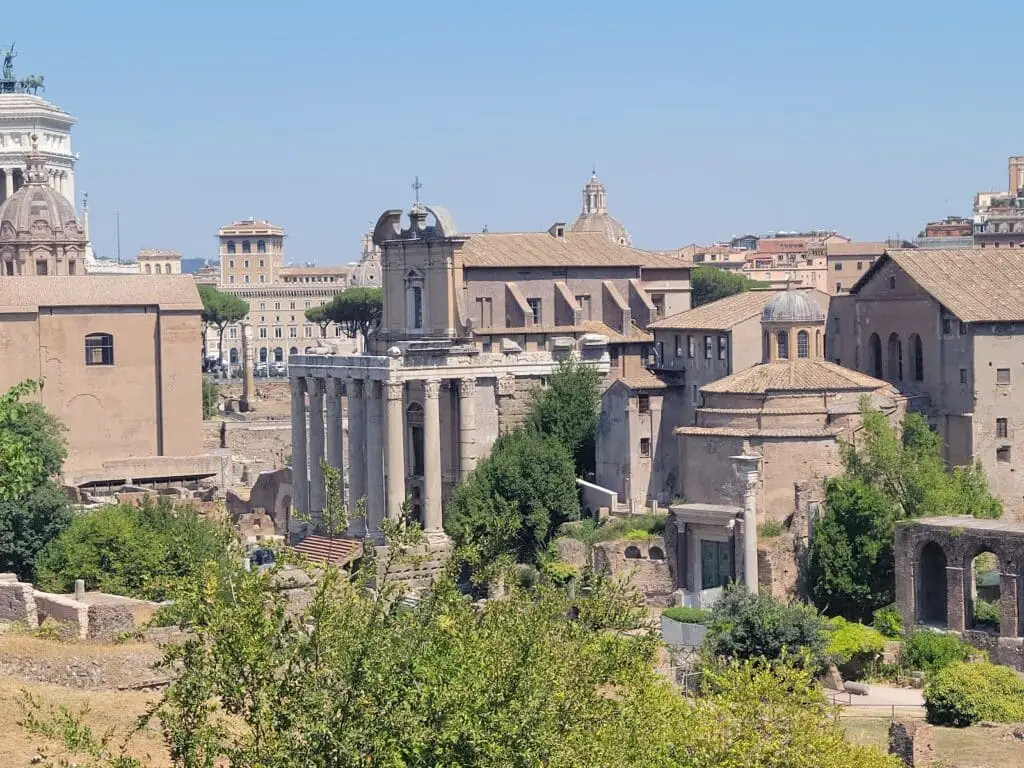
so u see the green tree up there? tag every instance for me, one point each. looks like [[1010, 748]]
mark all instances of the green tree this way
[[890, 475], [710, 284], [209, 398], [567, 409], [753, 626], [221, 310], [516, 498], [319, 315], [358, 311], [140, 551], [27, 524]]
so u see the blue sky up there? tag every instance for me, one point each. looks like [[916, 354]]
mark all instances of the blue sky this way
[[704, 119]]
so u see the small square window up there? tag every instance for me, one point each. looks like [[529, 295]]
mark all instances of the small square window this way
[[643, 403], [963, 375], [99, 349], [1003, 454], [645, 448], [839, 266], [1002, 376], [1002, 428]]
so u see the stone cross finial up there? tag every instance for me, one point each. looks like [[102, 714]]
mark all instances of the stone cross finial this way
[[416, 186]]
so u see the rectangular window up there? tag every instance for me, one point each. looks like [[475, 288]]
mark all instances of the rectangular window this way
[[643, 404], [417, 307], [963, 375], [707, 347], [99, 349], [231, 263], [245, 264], [535, 308], [263, 333], [293, 332], [645, 355], [860, 265], [658, 300], [723, 347], [947, 326], [1002, 430], [1003, 454], [278, 333], [645, 447], [839, 287], [691, 347], [292, 305], [263, 306], [584, 304], [232, 333], [839, 266], [277, 305], [307, 305], [613, 357], [679, 345], [963, 328], [309, 331], [263, 279], [1002, 376], [261, 262], [231, 278], [245, 278]]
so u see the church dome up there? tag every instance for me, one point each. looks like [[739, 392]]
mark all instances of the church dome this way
[[594, 216], [38, 211], [792, 306]]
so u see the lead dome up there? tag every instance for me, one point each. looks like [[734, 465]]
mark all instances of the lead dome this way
[[792, 306], [594, 216]]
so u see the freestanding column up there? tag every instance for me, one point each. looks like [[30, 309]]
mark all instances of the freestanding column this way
[[467, 427], [394, 450], [316, 446], [300, 480], [248, 383], [374, 460], [747, 466], [356, 453], [432, 523]]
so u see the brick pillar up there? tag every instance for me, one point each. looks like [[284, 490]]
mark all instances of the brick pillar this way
[[913, 742], [955, 598], [1009, 611]]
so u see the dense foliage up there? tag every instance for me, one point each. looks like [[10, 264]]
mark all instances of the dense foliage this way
[[710, 284], [590, 532], [516, 498], [687, 615], [353, 678], [357, 310], [209, 398], [888, 621], [320, 316], [32, 507], [567, 409], [889, 476], [751, 626], [853, 645], [966, 693], [143, 551], [930, 652], [220, 310]]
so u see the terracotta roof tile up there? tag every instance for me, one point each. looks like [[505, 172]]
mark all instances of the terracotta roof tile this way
[[795, 376], [645, 380], [574, 249], [322, 549], [975, 284], [854, 249], [725, 313], [29, 293]]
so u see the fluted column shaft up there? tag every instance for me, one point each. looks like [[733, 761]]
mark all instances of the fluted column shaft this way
[[316, 445], [300, 480], [394, 450], [467, 427], [357, 452], [374, 459], [432, 522]]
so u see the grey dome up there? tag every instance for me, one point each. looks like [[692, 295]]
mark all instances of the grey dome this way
[[594, 216], [792, 306], [21, 214]]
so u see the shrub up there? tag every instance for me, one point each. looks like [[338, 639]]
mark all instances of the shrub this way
[[770, 529], [888, 621], [986, 614], [848, 640], [749, 626], [966, 693], [209, 398], [559, 572], [687, 615], [590, 533], [637, 534], [932, 651]]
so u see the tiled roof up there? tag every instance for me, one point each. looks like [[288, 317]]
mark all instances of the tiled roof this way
[[725, 313], [322, 549], [975, 284], [753, 432], [795, 376], [29, 293], [645, 380], [573, 249], [854, 249]]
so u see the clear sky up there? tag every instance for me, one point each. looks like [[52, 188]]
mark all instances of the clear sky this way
[[704, 119]]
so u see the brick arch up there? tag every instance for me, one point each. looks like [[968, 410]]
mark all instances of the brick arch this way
[[931, 582]]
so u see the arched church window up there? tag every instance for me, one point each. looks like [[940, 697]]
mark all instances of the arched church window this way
[[916, 357], [261, 246], [895, 358], [149, 269], [803, 344], [875, 355], [167, 269], [414, 300], [783, 338], [231, 246], [246, 248], [99, 349], [157, 269]]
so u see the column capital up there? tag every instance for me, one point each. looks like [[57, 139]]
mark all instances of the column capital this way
[[395, 390], [298, 385], [315, 386], [354, 388], [432, 388], [467, 387]]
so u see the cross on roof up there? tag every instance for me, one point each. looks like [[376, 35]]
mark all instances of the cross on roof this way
[[416, 188]]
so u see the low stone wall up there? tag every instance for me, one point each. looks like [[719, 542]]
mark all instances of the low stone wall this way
[[72, 617], [642, 561], [16, 603], [1008, 651]]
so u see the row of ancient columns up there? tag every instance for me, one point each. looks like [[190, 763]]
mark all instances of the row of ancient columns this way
[[376, 453]]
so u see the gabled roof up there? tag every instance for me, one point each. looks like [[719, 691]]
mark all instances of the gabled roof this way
[[975, 284], [29, 293], [726, 313], [795, 376], [573, 249]]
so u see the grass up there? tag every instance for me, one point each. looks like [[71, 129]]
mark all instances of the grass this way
[[975, 747], [638, 527], [770, 529]]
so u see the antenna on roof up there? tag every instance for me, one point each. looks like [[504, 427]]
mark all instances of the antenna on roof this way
[[118, 237]]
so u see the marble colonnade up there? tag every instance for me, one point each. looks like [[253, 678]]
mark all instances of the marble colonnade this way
[[376, 453]]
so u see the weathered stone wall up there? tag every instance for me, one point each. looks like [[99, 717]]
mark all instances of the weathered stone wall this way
[[107, 622], [72, 617], [778, 572], [913, 742], [514, 397], [266, 442], [16, 603], [643, 562]]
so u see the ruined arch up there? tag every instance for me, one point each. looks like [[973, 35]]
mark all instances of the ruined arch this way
[[656, 553], [932, 599], [982, 569], [632, 553]]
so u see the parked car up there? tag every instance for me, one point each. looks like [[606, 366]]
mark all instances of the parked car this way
[[261, 369], [278, 369]]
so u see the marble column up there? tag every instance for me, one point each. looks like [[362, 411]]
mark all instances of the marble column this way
[[747, 466], [374, 459], [8, 183], [335, 432], [357, 451], [316, 446], [432, 523], [467, 427], [394, 449], [300, 480]]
